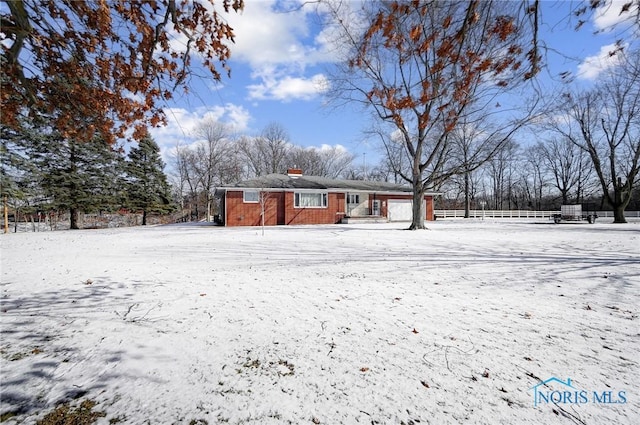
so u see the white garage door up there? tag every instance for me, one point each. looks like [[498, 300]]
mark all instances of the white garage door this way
[[399, 210]]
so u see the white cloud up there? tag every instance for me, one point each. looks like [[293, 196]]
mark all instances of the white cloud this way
[[279, 40], [270, 33], [235, 116], [610, 14], [592, 66], [181, 124], [288, 88], [266, 35], [238, 117], [280, 44], [338, 147]]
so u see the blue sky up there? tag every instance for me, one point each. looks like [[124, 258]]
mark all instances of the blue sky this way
[[280, 62]]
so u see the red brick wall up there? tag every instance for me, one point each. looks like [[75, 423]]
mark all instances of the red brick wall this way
[[279, 209], [430, 212], [330, 215], [240, 213]]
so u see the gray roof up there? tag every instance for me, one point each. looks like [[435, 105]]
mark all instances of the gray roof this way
[[283, 181]]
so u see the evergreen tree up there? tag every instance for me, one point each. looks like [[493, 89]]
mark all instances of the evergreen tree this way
[[77, 176], [147, 188], [18, 187]]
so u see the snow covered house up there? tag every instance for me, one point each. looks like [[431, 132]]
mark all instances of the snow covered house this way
[[298, 199]]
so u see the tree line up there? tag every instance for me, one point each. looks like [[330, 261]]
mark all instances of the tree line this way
[[540, 177], [443, 82], [45, 174], [584, 145], [221, 158], [91, 74], [446, 84]]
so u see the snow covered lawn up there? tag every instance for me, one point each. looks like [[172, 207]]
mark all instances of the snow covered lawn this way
[[343, 324]]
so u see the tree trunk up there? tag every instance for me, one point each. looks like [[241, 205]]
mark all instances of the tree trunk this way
[[196, 209], [621, 198], [74, 215], [144, 217], [467, 199], [418, 204], [618, 214], [262, 210], [6, 215]]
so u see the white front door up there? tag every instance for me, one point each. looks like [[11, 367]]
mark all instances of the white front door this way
[[375, 207]]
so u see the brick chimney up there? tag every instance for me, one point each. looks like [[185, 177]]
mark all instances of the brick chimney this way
[[294, 172]]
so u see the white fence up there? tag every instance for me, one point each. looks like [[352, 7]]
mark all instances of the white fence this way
[[627, 214], [519, 214]]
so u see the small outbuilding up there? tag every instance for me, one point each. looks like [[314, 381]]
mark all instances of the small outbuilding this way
[[298, 199]]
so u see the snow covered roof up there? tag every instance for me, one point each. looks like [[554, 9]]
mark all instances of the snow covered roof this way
[[289, 182]]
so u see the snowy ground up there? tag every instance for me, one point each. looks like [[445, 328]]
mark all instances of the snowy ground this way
[[336, 324]]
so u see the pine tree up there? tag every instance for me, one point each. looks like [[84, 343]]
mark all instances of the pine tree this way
[[77, 176], [147, 187], [17, 185]]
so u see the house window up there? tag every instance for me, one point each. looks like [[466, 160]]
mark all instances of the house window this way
[[251, 196], [353, 199], [310, 200]]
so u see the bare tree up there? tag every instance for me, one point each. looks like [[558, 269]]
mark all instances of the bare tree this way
[[569, 168], [266, 153], [326, 161], [263, 199], [274, 143], [184, 179], [461, 190], [419, 66], [605, 123], [273, 152], [307, 159], [334, 161], [211, 155], [533, 176], [250, 156], [474, 141], [501, 174], [395, 161]]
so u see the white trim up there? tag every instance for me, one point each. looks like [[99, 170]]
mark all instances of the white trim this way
[[356, 201], [329, 190], [244, 196], [325, 199]]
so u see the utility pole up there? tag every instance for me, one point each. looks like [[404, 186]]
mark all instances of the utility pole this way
[[364, 164]]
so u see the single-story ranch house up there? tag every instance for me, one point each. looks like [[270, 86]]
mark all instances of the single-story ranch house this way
[[297, 199]]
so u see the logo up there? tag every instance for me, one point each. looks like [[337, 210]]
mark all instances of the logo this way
[[557, 391]]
